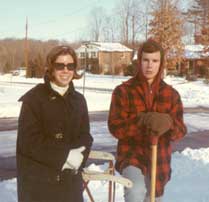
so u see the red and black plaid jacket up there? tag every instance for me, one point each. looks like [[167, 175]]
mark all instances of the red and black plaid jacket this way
[[133, 142]]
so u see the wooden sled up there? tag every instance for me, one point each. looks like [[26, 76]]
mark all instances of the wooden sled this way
[[106, 175]]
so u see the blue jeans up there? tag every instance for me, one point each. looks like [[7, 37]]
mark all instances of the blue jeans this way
[[141, 186]]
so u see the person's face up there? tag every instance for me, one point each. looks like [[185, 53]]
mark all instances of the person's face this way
[[63, 75], [150, 64]]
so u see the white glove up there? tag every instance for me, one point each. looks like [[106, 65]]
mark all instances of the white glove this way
[[74, 159]]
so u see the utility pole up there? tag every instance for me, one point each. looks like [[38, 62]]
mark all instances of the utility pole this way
[[86, 43], [26, 47], [84, 73]]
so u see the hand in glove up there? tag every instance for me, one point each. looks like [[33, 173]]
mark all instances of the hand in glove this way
[[158, 123], [74, 159]]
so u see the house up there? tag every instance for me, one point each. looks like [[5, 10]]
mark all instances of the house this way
[[104, 57], [196, 59]]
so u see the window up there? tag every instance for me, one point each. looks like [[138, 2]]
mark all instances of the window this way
[[122, 55], [93, 54], [82, 55]]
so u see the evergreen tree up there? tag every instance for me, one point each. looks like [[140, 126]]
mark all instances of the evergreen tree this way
[[166, 27]]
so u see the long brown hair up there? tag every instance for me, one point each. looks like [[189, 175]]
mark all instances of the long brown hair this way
[[57, 51]]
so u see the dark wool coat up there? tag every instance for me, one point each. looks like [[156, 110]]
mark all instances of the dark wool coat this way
[[128, 100], [49, 126]]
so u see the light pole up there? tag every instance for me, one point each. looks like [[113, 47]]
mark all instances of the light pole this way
[[86, 43], [26, 48]]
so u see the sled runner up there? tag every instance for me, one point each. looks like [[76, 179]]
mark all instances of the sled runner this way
[[106, 175]]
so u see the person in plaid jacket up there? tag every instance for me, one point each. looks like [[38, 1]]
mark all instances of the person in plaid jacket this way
[[142, 108]]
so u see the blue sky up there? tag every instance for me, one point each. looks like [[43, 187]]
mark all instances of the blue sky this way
[[48, 19]]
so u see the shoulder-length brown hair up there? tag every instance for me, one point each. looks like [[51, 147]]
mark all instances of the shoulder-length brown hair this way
[[57, 51]]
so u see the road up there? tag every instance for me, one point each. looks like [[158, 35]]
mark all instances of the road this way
[[23, 84], [193, 140], [11, 123]]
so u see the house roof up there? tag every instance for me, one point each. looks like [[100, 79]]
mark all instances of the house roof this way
[[196, 51], [106, 46]]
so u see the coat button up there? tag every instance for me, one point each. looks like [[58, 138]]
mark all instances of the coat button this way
[[59, 136], [57, 178], [53, 97]]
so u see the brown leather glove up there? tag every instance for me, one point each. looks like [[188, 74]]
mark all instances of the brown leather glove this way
[[157, 123]]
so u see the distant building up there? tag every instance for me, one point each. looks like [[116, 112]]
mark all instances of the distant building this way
[[196, 59], [103, 57]]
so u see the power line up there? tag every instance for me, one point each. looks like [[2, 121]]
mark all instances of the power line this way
[[71, 14], [57, 20], [69, 32]]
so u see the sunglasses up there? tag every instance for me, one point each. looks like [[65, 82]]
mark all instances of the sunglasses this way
[[61, 66]]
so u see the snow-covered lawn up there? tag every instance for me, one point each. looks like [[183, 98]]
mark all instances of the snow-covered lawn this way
[[193, 94], [189, 183], [190, 176]]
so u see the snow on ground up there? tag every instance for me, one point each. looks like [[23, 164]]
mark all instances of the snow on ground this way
[[189, 183], [196, 122], [190, 176], [193, 94]]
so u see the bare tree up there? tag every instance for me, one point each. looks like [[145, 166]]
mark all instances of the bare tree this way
[[125, 22], [12, 54], [110, 29], [138, 19], [203, 7], [123, 9], [203, 13], [3, 61], [97, 17], [130, 17]]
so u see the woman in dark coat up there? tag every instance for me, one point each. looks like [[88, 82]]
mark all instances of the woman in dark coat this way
[[53, 140]]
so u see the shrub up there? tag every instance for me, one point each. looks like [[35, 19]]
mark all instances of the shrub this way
[[191, 77], [130, 70]]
